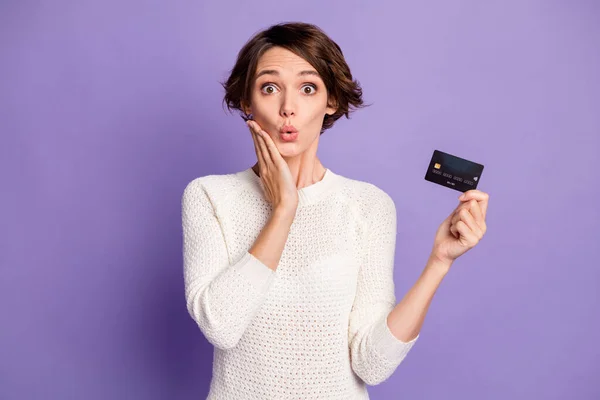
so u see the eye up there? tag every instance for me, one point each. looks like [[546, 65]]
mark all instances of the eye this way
[[266, 86], [271, 91], [313, 87]]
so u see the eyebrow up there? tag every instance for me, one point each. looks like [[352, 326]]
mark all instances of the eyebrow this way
[[276, 73]]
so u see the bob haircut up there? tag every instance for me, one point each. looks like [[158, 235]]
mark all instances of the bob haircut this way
[[312, 44]]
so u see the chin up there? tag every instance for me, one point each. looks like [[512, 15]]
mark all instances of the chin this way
[[288, 149]]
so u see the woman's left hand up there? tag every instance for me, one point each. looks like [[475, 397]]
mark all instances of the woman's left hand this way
[[463, 229]]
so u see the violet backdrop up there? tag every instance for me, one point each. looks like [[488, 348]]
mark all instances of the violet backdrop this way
[[109, 108]]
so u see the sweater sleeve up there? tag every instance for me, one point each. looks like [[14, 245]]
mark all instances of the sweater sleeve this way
[[222, 298], [375, 352]]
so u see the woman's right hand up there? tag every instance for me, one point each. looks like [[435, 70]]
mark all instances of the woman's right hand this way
[[275, 174]]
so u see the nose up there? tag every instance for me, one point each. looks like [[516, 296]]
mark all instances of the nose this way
[[287, 107], [287, 113]]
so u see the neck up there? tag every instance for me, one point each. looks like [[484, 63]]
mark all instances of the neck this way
[[304, 174]]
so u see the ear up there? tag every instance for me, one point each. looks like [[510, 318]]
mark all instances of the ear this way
[[331, 109], [245, 107]]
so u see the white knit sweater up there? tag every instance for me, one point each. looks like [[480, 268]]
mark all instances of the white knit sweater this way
[[316, 327]]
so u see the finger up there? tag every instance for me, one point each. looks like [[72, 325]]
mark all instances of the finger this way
[[481, 197], [483, 206], [260, 134], [469, 220], [464, 230], [456, 213], [469, 206], [265, 150], [262, 163], [475, 210], [454, 231], [271, 147], [473, 192]]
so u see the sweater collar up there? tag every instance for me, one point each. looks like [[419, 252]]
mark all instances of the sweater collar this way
[[307, 195]]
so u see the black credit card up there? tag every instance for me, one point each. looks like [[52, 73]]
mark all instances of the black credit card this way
[[453, 172]]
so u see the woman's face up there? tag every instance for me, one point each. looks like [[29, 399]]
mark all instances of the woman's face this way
[[287, 90]]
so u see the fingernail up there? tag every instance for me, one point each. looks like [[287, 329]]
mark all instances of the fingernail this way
[[462, 196]]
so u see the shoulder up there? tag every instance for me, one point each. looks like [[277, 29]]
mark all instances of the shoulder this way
[[371, 204], [368, 196], [208, 190], [207, 181]]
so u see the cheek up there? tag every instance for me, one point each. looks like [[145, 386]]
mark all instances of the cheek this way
[[314, 111], [262, 114], [258, 104]]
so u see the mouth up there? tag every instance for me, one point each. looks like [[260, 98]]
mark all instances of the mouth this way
[[288, 129], [288, 136]]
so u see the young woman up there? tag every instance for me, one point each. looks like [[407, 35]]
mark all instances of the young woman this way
[[288, 266]]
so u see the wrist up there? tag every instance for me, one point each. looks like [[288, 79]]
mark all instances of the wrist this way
[[438, 265], [284, 214]]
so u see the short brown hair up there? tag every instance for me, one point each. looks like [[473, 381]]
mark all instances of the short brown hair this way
[[312, 44]]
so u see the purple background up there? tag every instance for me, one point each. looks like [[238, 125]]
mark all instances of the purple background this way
[[109, 108]]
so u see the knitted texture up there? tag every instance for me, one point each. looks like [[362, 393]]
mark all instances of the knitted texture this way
[[316, 328]]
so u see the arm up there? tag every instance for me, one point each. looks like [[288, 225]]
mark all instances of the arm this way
[[406, 319], [222, 298], [270, 243], [375, 352]]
